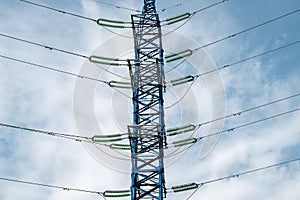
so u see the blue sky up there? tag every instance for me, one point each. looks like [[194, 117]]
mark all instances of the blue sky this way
[[42, 99]]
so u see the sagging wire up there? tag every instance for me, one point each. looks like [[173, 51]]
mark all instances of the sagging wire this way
[[112, 156], [183, 96], [194, 140], [247, 59], [174, 6], [175, 189], [197, 186], [192, 78], [94, 59], [51, 69], [186, 16], [109, 83], [110, 72], [105, 23], [117, 6], [226, 38], [52, 186], [178, 151], [50, 133]]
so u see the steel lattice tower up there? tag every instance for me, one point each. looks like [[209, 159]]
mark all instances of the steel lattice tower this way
[[147, 134]]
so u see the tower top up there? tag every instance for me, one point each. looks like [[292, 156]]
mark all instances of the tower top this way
[[149, 6]]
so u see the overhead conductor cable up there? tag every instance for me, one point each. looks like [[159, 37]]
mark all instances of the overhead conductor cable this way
[[188, 52]]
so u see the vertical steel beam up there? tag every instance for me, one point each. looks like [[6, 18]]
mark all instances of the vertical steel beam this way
[[147, 134]]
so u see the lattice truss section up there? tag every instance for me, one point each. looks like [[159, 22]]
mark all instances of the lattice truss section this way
[[147, 135]]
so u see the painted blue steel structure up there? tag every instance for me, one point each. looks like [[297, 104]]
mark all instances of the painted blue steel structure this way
[[147, 134]]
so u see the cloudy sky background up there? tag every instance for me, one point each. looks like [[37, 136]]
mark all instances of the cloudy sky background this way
[[43, 99]]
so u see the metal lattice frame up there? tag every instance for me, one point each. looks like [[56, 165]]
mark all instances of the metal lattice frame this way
[[147, 134]]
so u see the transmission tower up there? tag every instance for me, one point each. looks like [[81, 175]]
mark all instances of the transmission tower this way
[[147, 134]]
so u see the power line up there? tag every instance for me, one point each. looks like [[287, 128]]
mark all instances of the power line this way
[[201, 138], [231, 36], [112, 156], [197, 126], [209, 44], [67, 73], [227, 66], [89, 139], [65, 12], [189, 16], [249, 109], [44, 46], [95, 20], [60, 11], [106, 82], [249, 29], [178, 27], [194, 49], [202, 9], [78, 16], [255, 122], [174, 6], [195, 76], [51, 48], [264, 53], [237, 62], [250, 171], [242, 60], [116, 6], [182, 97], [237, 175], [51, 186], [110, 4], [193, 140], [110, 72], [70, 73], [87, 18], [68, 136], [246, 124], [50, 133], [210, 6], [249, 58], [113, 32], [52, 69]]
